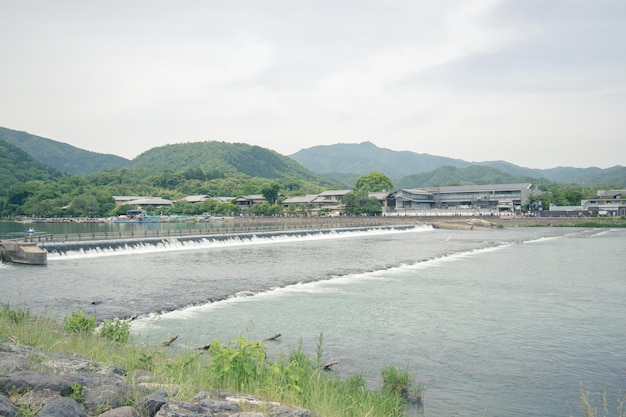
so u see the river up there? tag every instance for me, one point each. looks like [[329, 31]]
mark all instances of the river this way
[[492, 322]]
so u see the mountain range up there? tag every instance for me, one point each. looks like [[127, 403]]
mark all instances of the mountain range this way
[[348, 161], [340, 164]]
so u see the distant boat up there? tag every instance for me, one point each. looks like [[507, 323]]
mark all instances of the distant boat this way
[[30, 231]]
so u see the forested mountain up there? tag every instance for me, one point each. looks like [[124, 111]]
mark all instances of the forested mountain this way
[[569, 174], [366, 157], [559, 174], [471, 175], [61, 156], [615, 176], [344, 180], [328, 166], [220, 159], [341, 162], [515, 170], [18, 166]]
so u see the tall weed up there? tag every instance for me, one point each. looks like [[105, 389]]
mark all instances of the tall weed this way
[[590, 409], [238, 364], [14, 315]]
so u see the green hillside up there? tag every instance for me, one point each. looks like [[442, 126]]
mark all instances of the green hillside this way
[[18, 166], [515, 170], [343, 180], [223, 158], [61, 156], [341, 162], [359, 159], [472, 175], [615, 176]]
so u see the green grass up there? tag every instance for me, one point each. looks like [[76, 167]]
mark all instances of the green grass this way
[[603, 223], [294, 379], [589, 408]]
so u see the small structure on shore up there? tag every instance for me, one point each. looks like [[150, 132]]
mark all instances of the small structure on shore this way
[[22, 253]]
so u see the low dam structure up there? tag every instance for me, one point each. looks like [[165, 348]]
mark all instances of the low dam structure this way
[[22, 253]]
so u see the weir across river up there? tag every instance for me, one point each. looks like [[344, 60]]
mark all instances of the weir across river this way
[[229, 226], [275, 224]]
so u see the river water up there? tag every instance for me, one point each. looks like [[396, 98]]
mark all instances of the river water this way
[[491, 322]]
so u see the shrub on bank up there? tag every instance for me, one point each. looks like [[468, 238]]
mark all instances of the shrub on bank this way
[[79, 322], [115, 330]]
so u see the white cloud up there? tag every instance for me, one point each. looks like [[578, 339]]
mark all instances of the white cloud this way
[[443, 77]]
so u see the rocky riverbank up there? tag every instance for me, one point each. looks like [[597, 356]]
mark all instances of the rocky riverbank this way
[[463, 223], [43, 384]]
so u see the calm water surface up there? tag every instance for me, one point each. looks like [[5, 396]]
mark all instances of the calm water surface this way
[[500, 322]]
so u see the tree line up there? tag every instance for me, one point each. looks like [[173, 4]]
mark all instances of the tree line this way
[[92, 195]]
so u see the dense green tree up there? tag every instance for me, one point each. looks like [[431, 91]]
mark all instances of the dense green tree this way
[[84, 205], [47, 208], [560, 195], [219, 208], [374, 182], [195, 174], [73, 184], [266, 209], [223, 208], [358, 202], [120, 210], [270, 191], [18, 194], [371, 207]]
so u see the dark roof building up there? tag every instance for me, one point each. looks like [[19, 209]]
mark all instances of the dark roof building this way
[[490, 198], [500, 197]]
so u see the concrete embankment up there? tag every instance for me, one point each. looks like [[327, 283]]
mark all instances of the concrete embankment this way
[[22, 252]]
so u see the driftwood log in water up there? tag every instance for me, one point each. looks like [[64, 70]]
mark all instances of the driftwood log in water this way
[[170, 341]]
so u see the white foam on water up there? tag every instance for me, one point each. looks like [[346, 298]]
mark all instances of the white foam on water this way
[[148, 246], [329, 285]]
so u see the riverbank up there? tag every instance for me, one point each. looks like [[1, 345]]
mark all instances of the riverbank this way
[[48, 371], [70, 384], [521, 221]]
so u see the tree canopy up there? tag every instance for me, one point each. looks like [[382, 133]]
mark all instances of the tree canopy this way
[[374, 182], [270, 191]]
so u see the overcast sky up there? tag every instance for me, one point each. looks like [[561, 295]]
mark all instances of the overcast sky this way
[[538, 83]]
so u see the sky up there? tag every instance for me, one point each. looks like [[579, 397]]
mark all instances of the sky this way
[[537, 83]]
